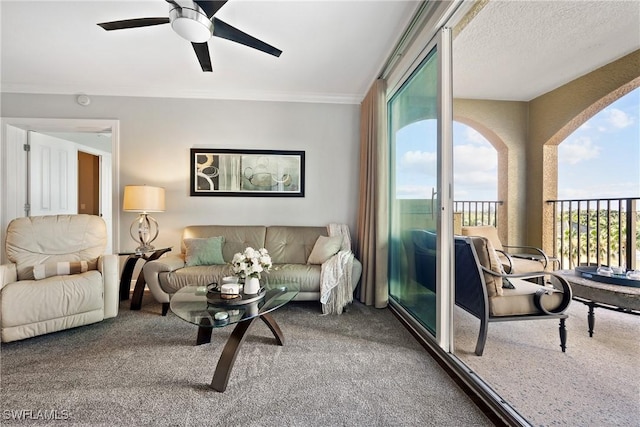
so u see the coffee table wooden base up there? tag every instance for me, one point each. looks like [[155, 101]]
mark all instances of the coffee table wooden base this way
[[593, 294], [232, 347]]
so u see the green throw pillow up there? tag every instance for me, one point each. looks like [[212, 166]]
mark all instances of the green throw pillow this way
[[204, 251]]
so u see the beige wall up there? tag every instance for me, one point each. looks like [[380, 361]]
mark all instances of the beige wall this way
[[526, 136], [554, 116], [157, 133]]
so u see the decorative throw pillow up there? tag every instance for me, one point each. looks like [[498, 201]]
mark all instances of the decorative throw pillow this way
[[64, 268], [204, 251], [325, 248]]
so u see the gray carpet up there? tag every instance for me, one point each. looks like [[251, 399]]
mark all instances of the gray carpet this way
[[358, 369], [595, 383]]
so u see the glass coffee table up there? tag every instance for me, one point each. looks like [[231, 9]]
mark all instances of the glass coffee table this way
[[203, 306]]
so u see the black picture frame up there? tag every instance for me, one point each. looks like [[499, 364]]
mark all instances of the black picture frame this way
[[246, 173]]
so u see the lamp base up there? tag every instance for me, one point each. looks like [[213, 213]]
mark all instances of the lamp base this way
[[145, 248], [144, 230]]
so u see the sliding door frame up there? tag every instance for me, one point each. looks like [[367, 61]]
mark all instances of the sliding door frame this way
[[429, 30], [441, 43]]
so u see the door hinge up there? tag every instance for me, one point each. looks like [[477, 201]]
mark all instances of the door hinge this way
[[27, 209], [26, 147]]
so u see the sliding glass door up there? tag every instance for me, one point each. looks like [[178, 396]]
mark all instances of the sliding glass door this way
[[419, 266]]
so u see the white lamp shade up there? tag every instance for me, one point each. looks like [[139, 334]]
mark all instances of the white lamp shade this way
[[143, 198]]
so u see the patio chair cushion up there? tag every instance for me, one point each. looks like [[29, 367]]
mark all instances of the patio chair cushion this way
[[489, 259], [519, 301], [487, 231]]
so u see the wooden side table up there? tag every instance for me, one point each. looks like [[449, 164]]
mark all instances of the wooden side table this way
[[127, 273]]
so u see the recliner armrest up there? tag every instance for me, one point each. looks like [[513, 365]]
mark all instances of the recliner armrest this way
[[8, 274], [109, 267]]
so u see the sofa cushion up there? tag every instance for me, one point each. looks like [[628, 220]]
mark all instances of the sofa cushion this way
[[236, 238], [325, 248], [200, 275], [203, 251], [42, 271], [291, 244], [307, 276]]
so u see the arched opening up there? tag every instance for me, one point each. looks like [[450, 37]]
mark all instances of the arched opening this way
[[598, 187], [607, 142]]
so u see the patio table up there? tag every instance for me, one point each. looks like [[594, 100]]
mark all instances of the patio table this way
[[625, 299]]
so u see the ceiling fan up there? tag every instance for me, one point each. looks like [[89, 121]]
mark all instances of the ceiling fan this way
[[195, 21]]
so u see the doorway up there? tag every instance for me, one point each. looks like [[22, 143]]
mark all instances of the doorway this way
[[97, 138], [88, 183]]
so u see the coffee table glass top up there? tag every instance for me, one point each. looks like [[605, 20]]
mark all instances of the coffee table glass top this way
[[191, 304]]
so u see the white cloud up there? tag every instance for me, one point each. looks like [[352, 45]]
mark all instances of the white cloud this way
[[421, 162], [477, 179], [574, 152], [475, 172], [618, 118], [473, 157], [473, 135]]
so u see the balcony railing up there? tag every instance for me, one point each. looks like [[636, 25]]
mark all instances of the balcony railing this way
[[477, 212], [597, 232]]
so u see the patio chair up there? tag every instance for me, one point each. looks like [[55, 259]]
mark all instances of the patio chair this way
[[528, 258], [492, 296]]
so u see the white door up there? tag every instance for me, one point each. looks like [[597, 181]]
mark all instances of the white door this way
[[53, 176]]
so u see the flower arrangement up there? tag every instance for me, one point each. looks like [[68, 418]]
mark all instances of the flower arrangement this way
[[251, 263]]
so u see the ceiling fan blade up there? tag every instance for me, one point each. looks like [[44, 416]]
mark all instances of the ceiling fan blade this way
[[210, 7], [202, 52], [133, 23], [226, 31]]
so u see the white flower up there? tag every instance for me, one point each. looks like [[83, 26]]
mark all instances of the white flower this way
[[251, 262]]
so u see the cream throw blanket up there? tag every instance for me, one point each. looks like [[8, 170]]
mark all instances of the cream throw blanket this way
[[336, 290]]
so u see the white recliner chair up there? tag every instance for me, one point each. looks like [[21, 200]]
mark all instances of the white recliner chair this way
[[58, 277]]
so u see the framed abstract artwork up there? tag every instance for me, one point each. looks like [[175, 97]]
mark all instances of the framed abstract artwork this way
[[266, 173]]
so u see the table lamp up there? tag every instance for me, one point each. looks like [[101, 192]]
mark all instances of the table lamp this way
[[143, 199]]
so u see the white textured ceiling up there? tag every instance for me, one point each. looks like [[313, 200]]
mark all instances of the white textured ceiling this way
[[518, 50], [332, 50]]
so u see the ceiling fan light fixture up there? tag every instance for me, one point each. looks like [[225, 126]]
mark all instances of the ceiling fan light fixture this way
[[191, 25]]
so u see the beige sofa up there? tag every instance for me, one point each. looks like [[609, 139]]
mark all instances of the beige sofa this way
[[288, 246], [58, 277]]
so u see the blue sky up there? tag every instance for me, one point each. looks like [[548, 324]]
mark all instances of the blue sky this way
[[601, 159]]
